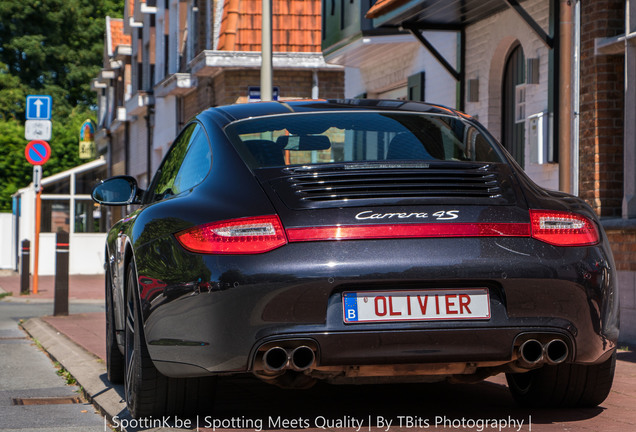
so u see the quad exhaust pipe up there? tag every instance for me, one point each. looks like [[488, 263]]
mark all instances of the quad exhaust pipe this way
[[534, 353], [277, 359]]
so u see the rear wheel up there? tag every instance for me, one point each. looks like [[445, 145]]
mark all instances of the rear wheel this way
[[148, 392], [114, 358], [564, 385]]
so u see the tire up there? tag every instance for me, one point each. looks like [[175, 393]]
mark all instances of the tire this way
[[564, 385], [115, 361], [148, 392]]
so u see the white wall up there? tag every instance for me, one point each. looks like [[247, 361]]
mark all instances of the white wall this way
[[354, 84], [138, 150], [86, 254], [384, 72], [7, 241], [488, 44], [165, 130], [440, 85]]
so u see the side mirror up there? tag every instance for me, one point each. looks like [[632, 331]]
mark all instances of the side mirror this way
[[120, 190]]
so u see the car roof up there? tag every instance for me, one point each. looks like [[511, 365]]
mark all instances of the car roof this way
[[250, 110]]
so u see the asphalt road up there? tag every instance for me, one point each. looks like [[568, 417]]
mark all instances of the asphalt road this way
[[29, 376]]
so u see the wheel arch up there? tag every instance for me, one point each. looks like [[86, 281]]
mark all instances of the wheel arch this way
[[129, 257]]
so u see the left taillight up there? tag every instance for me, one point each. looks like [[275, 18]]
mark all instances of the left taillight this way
[[563, 228], [251, 235]]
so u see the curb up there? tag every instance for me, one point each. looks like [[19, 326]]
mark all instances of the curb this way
[[87, 369]]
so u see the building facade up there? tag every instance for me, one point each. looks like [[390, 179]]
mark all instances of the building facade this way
[[176, 58]]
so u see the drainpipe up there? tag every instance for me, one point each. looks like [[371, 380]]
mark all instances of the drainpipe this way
[[576, 103], [149, 125], [566, 53], [315, 85]]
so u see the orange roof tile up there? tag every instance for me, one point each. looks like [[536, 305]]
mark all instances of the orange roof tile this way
[[116, 35], [296, 25], [383, 6]]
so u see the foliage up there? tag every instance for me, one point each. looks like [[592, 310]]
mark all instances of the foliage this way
[[48, 47], [15, 170]]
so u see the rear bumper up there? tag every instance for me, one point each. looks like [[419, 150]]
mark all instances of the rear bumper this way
[[218, 322]]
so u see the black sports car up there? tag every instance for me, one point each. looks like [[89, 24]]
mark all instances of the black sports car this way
[[353, 241]]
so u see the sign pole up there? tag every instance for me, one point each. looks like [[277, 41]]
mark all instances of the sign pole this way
[[37, 176], [37, 152]]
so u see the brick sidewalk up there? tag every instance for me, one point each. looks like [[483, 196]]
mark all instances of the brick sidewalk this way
[[81, 287], [88, 330]]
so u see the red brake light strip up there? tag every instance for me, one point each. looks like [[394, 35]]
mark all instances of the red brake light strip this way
[[357, 232]]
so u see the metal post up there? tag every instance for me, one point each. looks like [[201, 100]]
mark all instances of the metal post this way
[[629, 134], [37, 176], [25, 267], [266, 52], [60, 307]]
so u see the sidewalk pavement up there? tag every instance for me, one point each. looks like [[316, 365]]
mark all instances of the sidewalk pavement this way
[[82, 288], [85, 329]]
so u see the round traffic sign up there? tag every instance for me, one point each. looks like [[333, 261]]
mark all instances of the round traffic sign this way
[[37, 152]]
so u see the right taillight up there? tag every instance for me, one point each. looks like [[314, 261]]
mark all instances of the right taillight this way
[[563, 228]]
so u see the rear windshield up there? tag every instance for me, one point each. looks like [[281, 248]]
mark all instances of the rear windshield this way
[[315, 138]]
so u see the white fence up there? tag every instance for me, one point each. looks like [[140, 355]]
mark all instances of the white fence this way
[[7, 242]]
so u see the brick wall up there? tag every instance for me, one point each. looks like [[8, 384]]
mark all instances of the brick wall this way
[[196, 101], [602, 106], [231, 86], [623, 242]]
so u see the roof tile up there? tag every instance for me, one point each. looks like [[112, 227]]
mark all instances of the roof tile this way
[[296, 25], [116, 34]]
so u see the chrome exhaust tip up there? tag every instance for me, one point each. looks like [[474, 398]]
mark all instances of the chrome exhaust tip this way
[[531, 352], [275, 359], [302, 358], [556, 351]]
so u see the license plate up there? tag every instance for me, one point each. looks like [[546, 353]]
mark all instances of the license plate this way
[[425, 305]]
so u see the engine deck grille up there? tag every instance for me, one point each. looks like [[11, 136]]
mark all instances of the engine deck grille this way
[[304, 187]]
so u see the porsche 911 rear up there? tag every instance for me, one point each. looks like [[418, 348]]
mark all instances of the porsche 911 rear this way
[[376, 244]]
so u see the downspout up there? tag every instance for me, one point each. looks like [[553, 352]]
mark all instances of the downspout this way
[[566, 52], [577, 98], [315, 85], [149, 126], [127, 147]]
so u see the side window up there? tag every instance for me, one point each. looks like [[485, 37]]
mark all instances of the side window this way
[[186, 164], [196, 164]]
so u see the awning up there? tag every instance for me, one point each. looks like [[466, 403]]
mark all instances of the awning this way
[[433, 14]]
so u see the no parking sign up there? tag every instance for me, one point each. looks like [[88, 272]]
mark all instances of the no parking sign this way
[[37, 152]]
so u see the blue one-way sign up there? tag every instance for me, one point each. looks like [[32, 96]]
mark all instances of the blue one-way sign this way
[[38, 107]]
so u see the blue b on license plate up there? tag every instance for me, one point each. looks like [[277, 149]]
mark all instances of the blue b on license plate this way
[[424, 305]]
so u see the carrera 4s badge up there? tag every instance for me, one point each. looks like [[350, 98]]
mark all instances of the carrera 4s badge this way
[[438, 215]]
